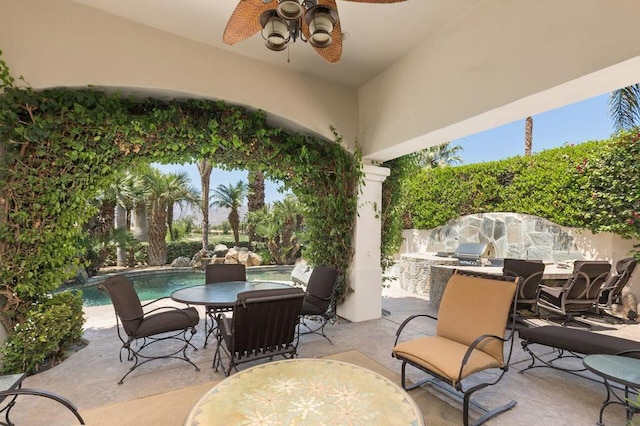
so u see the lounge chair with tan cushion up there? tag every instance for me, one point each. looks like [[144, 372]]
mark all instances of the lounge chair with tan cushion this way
[[471, 325]]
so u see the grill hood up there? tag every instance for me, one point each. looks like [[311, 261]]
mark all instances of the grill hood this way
[[474, 251]]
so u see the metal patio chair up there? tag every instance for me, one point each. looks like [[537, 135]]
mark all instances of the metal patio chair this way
[[579, 294], [317, 300], [214, 274], [156, 325], [470, 338], [611, 291], [531, 272], [263, 325]]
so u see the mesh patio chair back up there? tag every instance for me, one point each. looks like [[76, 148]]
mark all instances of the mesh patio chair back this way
[[221, 272], [611, 291], [263, 325], [218, 273], [586, 281], [531, 272], [318, 299]]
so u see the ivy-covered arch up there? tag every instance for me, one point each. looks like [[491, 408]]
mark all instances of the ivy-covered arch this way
[[58, 146]]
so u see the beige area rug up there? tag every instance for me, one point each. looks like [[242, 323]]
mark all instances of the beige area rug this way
[[171, 408]]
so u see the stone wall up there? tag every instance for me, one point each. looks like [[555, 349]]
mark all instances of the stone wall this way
[[514, 236]]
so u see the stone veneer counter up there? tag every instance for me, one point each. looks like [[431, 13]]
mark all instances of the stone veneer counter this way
[[440, 275], [415, 275]]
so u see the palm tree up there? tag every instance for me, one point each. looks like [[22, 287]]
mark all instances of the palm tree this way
[[162, 192], [624, 107], [281, 226], [205, 168], [231, 197], [181, 193], [528, 136], [255, 199], [438, 156]]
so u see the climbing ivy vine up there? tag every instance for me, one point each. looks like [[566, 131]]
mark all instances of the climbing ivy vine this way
[[59, 146]]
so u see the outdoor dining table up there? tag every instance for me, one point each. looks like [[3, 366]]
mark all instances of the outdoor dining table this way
[[222, 295], [306, 392]]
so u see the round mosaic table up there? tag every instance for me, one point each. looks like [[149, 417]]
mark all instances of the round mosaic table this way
[[306, 392]]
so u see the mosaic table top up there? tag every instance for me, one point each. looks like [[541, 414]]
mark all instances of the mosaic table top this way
[[306, 392]]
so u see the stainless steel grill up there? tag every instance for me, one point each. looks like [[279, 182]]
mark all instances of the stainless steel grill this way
[[473, 253]]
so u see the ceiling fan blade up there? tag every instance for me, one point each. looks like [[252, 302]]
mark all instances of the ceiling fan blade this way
[[375, 1], [245, 20], [333, 52]]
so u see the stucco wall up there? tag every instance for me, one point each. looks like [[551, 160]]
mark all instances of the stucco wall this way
[[502, 61]]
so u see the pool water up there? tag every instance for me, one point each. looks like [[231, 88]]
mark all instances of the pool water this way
[[156, 284]]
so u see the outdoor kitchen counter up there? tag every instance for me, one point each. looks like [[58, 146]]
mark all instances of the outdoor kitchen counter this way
[[415, 270], [427, 273], [440, 276]]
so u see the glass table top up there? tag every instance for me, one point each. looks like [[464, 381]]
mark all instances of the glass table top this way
[[619, 369]]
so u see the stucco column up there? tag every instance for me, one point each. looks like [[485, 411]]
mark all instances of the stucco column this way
[[365, 277]]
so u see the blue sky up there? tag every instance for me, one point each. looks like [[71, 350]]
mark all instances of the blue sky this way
[[580, 122], [221, 177], [573, 124]]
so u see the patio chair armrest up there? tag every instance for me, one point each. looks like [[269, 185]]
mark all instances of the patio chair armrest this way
[[156, 300], [472, 347], [168, 308], [405, 322], [45, 394]]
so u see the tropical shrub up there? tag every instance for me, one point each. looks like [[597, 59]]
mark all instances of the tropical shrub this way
[[183, 227], [182, 249], [51, 327], [612, 186]]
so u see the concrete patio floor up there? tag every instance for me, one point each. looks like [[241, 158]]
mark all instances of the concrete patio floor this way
[[89, 377]]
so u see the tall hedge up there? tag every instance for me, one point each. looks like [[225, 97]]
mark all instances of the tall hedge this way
[[612, 186], [549, 184]]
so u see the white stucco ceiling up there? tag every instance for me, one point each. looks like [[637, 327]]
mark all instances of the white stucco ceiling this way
[[378, 34]]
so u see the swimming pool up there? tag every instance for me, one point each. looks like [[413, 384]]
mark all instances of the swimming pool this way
[[152, 285]]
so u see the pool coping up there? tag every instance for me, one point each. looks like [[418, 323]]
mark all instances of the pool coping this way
[[154, 270]]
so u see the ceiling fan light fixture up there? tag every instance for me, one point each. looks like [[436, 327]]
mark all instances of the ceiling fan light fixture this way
[[275, 30], [291, 10], [321, 21]]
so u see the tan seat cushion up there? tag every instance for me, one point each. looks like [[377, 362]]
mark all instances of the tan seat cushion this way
[[444, 357]]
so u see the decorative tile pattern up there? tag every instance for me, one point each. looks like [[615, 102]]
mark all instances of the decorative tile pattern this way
[[306, 392]]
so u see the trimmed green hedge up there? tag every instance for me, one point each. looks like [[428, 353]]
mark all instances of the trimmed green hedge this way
[[612, 186], [549, 184]]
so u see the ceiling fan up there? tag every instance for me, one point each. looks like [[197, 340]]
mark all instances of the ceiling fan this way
[[284, 21]]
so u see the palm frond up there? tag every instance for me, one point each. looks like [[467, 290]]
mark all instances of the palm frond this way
[[624, 107]]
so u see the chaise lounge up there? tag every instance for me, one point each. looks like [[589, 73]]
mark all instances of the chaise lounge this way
[[576, 342]]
